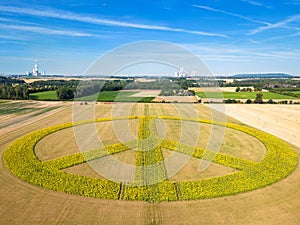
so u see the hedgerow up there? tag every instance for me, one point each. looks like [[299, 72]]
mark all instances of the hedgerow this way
[[150, 179]]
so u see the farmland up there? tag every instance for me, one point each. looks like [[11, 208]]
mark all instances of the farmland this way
[[242, 95], [104, 96], [141, 96], [16, 108], [46, 96], [282, 121], [32, 204], [12, 111]]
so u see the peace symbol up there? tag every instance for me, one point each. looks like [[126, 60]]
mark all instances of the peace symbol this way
[[150, 179]]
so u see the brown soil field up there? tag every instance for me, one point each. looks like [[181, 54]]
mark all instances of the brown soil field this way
[[282, 121], [144, 93], [22, 203], [172, 99], [247, 147]]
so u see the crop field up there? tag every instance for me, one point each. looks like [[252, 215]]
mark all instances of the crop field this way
[[16, 108], [45, 95], [282, 121], [21, 110], [49, 180], [242, 95], [111, 96], [104, 96]]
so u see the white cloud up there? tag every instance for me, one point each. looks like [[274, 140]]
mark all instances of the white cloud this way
[[230, 14], [12, 37], [14, 21], [292, 2], [254, 41], [93, 20], [297, 34], [253, 2], [225, 53], [42, 30], [280, 24]]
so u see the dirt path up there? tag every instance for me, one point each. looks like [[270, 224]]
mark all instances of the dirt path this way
[[282, 121]]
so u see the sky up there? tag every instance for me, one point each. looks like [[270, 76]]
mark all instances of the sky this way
[[229, 36]]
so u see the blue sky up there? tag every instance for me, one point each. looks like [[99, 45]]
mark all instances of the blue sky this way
[[230, 36]]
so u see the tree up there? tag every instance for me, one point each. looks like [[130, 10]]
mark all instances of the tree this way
[[237, 89], [65, 93], [193, 93], [258, 99], [248, 101], [230, 101], [257, 88], [249, 89]]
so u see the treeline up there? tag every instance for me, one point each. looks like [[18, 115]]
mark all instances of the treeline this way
[[247, 89], [78, 89], [13, 89], [51, 85], [294, 92], [18, 92], [162, 84], [69, 89], [86, 88], [8, 81], [263, 83]]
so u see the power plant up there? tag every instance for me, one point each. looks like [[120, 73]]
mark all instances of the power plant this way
[[35, 71], [181, 73]]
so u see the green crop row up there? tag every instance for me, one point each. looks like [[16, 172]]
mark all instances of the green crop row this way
[[163, 191], [79, 158], [150, 173]]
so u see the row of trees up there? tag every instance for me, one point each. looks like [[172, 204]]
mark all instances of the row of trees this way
[[258, 100], [17, 92], [65, 93], [9, 81], [248, 89]]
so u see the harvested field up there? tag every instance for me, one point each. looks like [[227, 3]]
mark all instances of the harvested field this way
[[184, 132], [144, 93], [280, 120], [190, 99], [22, 203], [191, 171]]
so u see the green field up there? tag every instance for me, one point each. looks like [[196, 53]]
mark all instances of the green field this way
[[45, 95], [104, 96], [111, 96], [295, 92], [18, 108], [242, 95]]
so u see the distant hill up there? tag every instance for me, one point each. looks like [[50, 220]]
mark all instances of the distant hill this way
[[262, 75]]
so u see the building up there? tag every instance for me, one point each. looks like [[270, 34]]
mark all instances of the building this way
[[35, 71]]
